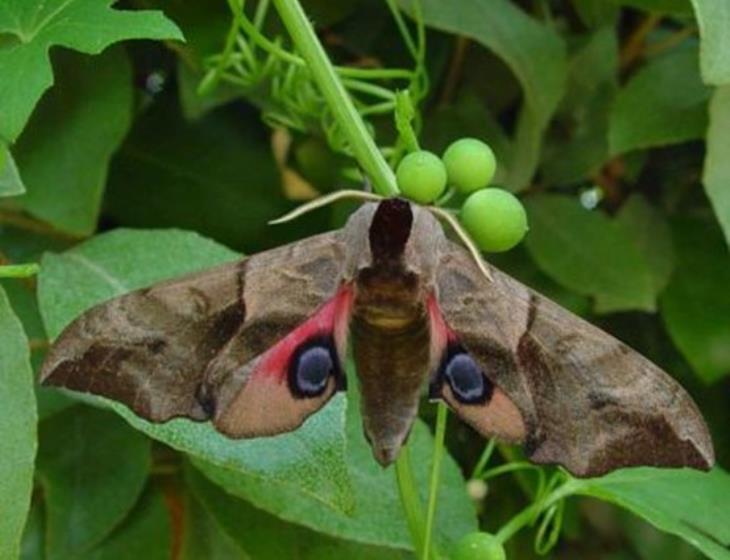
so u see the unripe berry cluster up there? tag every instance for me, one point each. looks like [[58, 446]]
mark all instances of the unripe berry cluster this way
[[494, 217]]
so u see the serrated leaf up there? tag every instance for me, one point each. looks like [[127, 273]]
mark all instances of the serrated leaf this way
[[587, 252], [695, 306], [144, 534], [650, 232], [713, 17], [716, 173], [534, 52], [90, 109], [377, 517], [29, 29], [93, 468], [684, 502], [310, 460], [664, 103], [10, 182], [264, 537], [17, 430]]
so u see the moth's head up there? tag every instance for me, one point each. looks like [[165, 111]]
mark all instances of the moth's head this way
[[394, 233]]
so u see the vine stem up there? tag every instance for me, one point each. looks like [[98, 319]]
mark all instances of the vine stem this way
[[438, 453], [409, 499], [362, 144], [19, 270]]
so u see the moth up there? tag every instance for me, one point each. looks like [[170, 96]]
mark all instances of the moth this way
[[257, 346]]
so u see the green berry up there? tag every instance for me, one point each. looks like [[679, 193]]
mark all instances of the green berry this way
[[479, 546], [495, 219], [421, 176], [470, 164]]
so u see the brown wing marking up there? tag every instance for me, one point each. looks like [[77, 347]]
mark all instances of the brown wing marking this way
[[171, 349], [589, 402]]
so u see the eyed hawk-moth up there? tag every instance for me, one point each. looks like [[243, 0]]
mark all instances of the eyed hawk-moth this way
[[257, 346]]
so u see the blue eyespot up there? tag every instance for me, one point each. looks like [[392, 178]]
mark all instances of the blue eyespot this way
[[466, 379], [312, 369]]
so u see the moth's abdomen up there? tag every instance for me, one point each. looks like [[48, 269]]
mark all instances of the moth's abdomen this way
[[392, 359]]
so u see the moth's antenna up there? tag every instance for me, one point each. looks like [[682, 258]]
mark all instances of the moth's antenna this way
[[465, 239], [324, 201]]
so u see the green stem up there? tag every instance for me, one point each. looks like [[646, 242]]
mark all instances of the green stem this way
[[346, 116], [438, 453], [19, 270], [528, 515], [409, 499]]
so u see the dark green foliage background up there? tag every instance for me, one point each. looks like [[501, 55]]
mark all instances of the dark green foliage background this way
[[102, 172]]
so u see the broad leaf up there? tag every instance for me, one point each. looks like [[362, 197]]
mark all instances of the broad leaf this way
[[17, 430], [144, 534], [580, 140], [713, 17], [716, 175], [33, 543], [203, 537], [215, 175], [695, 306], [675, 7], [93, 468], [90, 109], [684, 502], [28, 30], [664, 103], [650, 232], [535, 53], [10, 182], [262, 536], [310, 460], [377, 518], [587, 252]]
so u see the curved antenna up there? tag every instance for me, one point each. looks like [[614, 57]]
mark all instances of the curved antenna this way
[[324, 201], [465, 239]]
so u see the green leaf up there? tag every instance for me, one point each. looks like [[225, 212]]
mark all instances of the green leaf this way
[[144, 534], [93, 468], [695, 306], [580, 145], [664, 103], [674, 7], [377, 518], [713, 17], [535, 53], [29, 29], [10, 182], [587, 252], [596, 13], [90, 109], [262, 536], [215, 175], [684, 502], [650, 232], [33, 543], [17, 430], [310, 460], [716, 174], [203, 537]]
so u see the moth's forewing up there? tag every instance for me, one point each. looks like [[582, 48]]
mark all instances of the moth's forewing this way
[[587, 401], [189, 347]]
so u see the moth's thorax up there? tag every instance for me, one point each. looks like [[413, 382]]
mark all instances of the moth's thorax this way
[[388, 297]]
